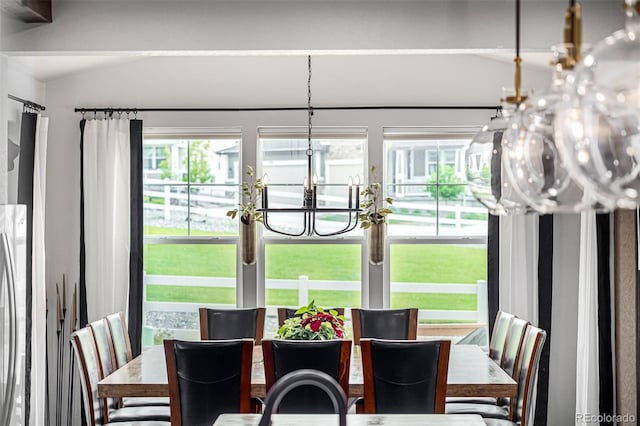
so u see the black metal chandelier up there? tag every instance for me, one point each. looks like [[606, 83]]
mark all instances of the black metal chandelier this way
[[310, 208]]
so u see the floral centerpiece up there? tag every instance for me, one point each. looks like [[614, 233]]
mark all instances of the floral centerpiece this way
[[313, 323]]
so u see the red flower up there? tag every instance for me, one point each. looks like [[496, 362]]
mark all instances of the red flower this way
[[315, 325]]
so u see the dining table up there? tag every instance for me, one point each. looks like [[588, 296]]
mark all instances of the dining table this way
[[471, 374], [354, 420]]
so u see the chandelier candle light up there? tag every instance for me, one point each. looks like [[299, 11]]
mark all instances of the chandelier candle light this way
[[310, 208]]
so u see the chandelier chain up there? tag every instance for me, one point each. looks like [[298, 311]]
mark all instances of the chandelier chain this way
[[309, 108]]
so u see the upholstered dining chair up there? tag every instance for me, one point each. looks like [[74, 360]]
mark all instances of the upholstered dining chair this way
[[517, 412], [96, 410], [286, 313], [499, 335], [284, 356], [392, 324], [208, 378], [222, 324], [121, 354], [510, 358], [405, 377]]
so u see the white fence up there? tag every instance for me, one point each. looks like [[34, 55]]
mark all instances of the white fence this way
[[303, 285]]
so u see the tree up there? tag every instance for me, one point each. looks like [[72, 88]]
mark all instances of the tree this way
[[198, 167], [198, 163], [449, 191]]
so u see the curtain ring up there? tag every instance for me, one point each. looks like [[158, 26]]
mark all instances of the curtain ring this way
[[135, 114], [95, 114], [83, 112], [119, 115], [128, 114]]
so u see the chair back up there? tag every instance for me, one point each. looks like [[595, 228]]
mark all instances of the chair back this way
[[286, 313], [284, 356], [527, 371], [224, 324], [499, 335], [86, 353], [208, 378], [120, 338], [104, 346], [512, 345], [391, 324], [405, 377]]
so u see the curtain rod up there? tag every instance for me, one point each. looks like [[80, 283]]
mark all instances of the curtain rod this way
[[26, 103], [320, 108]]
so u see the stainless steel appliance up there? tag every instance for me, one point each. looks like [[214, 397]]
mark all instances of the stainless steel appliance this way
[[13, 234]]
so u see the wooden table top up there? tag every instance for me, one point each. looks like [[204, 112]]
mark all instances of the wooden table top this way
[[471, 373], [354, 420]]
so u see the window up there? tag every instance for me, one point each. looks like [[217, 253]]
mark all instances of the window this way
[[436, 221], [328, 269], [189, 243]]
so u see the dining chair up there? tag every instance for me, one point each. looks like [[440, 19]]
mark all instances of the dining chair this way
[[96, 411], [392, 324], [284, 356], [223, 324], [510, 358], [286, 313], [517, 411], [208, 378], [121, 355], [499, 335], [405, 377]]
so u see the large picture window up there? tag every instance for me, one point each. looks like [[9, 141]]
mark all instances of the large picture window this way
[[437, 233], [190, 179]]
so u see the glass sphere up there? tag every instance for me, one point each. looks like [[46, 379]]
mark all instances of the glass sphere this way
[[532, 158], [598, 126], [486, 176]]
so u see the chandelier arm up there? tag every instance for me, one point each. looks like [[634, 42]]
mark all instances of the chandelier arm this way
[[347, 228], [265, 222]]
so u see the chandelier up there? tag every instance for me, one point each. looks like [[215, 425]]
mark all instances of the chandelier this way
[[309, 211], [575, 147]]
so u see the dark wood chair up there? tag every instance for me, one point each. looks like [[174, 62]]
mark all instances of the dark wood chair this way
[[120, 347], [96, 410], [286, 313], [224, 324], [391, 324], [405, 377], [208, 378], [285, 356], [517, 412]]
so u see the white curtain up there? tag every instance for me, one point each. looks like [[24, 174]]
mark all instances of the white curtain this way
[[587, 372], [106, 215], [519, 266], [39, 290]]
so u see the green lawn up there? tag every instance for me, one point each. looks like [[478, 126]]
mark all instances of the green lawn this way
[[339, 262]]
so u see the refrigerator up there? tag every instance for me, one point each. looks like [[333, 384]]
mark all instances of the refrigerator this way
[[13, 239]]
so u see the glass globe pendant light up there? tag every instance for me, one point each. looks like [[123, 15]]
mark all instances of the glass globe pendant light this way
[[531, 157], [487, 179], [598, 126]]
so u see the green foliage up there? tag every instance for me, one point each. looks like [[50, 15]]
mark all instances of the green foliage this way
[[248, 207], [446, 175], [165, 165], [371, 204], [196, 163], [313, 323], [161, 335]]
